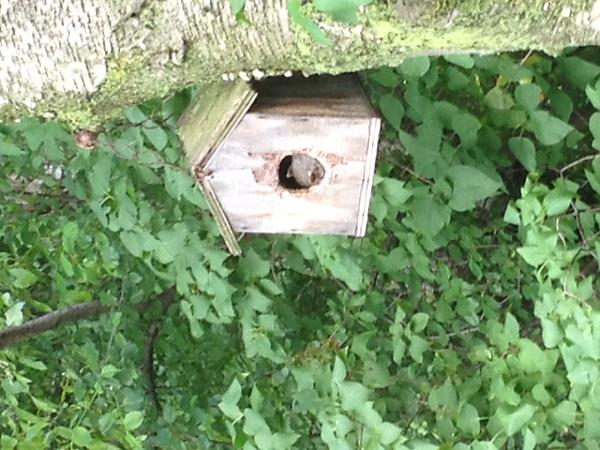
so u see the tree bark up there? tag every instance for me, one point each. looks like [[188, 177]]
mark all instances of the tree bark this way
[[85, 60]]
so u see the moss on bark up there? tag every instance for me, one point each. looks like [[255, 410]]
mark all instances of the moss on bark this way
[[387, 33]]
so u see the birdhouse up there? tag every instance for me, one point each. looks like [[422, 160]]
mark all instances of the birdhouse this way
[[284, 155]]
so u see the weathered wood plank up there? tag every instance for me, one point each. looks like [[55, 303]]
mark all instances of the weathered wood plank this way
[[215, 111], [245, 175]]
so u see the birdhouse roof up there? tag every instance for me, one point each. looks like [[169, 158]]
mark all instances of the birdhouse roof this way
[[204, 126], [215, 112]]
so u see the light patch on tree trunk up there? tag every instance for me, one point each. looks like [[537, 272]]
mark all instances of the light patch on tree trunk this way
[[55, 45]]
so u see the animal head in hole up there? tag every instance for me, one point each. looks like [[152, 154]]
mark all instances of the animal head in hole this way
[[300, 171]]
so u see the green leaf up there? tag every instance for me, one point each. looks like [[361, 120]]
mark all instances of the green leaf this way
[[14, 314], [468, 419], [135, 115], [516, 420], [429, 215], [419, 322], [564, 413], [593, 177], [533, 255], [341, 10], [392, 109], [69, 236], [466, 126], [561, 104], [343, 265], [524, 151], [251, 266], [283, 441], [443, 397], [595, 129], [578, 71], [528, 96], [237, 6], [548, 129], [254, 423], [394, 191], [300, 19], [228, 404], [531, 357], [511, 215], [81, 437], [109, 371], [425, 148], [389, 433], [133, 420], [511, 328], [551, 333], [557, 201], [464, 61], [133, 242], [498, 98], [418, 346], [541, 395], [529, 439], [178, 183], [593, 94], [99, 176], [156, 135], [415, 66], [385, 76], [23, 278], [7, 149], [353, 395], [470, 186]]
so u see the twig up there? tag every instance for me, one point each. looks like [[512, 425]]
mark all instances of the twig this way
[[149, 363], [527, 55], [576, 163]]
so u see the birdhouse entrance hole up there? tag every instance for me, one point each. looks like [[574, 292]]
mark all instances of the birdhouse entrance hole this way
[[299, 171]]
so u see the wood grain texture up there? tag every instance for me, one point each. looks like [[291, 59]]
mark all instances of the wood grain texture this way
[[244, 174], [213, 114]]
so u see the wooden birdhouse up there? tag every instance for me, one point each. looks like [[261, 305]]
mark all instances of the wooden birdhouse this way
[[284, 155]]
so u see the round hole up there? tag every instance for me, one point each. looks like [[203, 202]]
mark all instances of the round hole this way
[[300, 171]]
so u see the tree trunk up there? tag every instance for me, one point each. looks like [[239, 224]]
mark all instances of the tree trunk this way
[[83, 61]]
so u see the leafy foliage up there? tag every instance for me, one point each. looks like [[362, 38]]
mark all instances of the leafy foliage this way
[[467, 319]]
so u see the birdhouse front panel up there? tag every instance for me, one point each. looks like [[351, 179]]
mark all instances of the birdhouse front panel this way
[[249, 174]]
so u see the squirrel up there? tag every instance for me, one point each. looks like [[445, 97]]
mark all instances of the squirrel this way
[[305, 170]]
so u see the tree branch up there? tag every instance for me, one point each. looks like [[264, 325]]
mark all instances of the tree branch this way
[[149, 363], [15, 334]]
